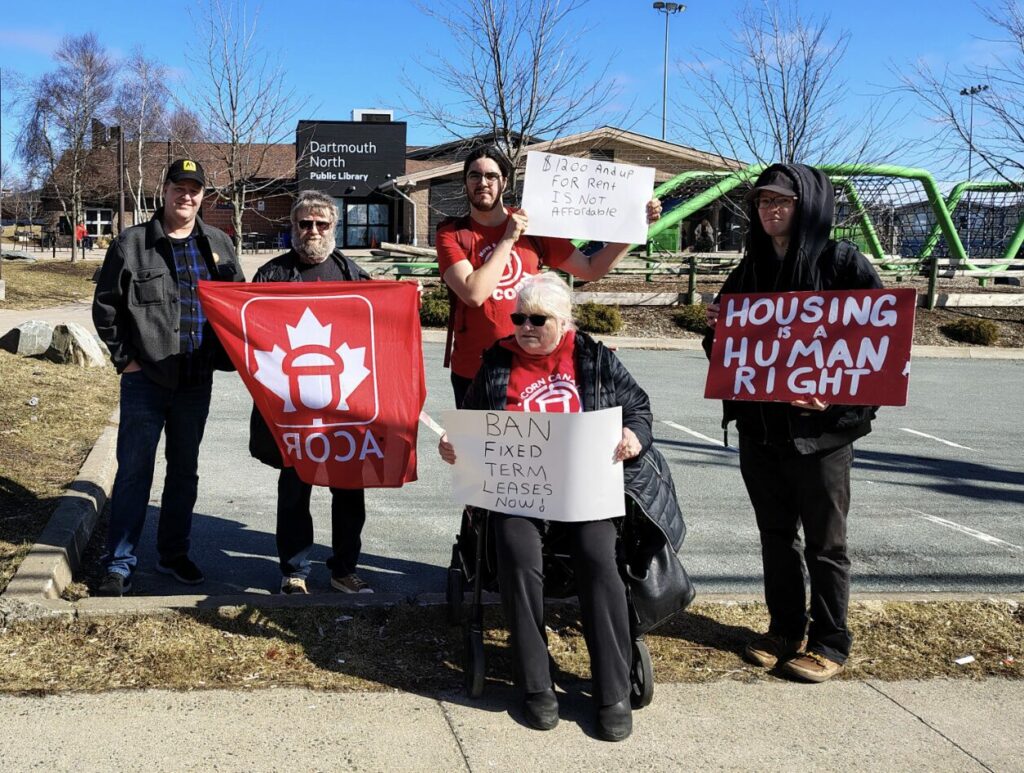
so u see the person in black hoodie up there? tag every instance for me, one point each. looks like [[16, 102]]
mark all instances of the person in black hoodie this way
[[313, 258], [796, 458]]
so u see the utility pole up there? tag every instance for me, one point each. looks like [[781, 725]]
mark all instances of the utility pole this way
[[668, 9], [969, 92]]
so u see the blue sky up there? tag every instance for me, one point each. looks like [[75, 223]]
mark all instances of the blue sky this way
[[351, 53]]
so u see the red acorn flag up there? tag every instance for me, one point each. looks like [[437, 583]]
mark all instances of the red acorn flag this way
[[335, 369]]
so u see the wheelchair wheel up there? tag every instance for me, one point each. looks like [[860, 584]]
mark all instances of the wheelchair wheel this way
[[473, 665], [641, 676], [454, 589]]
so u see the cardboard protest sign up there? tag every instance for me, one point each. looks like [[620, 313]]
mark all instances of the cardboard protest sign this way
[[556, 466], [844, 347], [335, 369], [583, 198]]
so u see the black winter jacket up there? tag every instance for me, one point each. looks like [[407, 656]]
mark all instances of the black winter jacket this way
[[285, 268], [603, 382], [136, 305], [813, 262]]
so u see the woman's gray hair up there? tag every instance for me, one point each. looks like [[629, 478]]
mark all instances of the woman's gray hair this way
[[547, 294], [316, 201]]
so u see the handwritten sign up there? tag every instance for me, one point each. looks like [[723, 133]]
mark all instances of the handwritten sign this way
[[583, 198], [849, 348], [556, 466]]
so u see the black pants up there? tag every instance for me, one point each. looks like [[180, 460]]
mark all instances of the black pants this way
[[787, 490], [460, 385], [602, 597], [295, 526]]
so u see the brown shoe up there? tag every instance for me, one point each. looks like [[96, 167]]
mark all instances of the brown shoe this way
[[812, 667], [768, 650]]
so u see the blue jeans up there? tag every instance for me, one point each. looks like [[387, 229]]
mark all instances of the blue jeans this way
[[147, 409]]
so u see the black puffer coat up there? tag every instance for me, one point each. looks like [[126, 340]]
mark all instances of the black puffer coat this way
[[812, 262], [603, 382]]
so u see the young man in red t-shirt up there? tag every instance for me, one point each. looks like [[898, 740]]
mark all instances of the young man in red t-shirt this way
[[485, 264]]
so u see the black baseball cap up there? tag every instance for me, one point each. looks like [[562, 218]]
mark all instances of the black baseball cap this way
[[775, 181], [186, 169]]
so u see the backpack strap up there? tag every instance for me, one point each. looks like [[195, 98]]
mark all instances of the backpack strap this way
[[463, 235]]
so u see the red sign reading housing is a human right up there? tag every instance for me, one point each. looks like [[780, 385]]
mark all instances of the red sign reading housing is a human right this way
[[847, 347]]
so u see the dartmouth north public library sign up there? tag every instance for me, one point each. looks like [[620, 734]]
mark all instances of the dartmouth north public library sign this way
[[348, 158]]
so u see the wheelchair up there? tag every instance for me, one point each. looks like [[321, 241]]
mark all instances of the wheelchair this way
[[474, 568]]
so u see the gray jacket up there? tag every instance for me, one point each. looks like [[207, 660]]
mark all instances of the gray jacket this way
[[135, 308]]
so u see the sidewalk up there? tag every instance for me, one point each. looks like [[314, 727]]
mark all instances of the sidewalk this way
[[723, 725]]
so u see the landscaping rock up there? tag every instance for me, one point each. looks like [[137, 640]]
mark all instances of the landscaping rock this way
[[74, 344], [29, 339], [17, 255]]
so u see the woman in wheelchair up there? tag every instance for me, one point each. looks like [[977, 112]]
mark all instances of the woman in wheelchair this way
[[549, 366]]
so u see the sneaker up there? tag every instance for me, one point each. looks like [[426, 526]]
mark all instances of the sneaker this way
[[294, 585], [114, 584], [812, 667], [181, 569], [351, 583], [768, 650]]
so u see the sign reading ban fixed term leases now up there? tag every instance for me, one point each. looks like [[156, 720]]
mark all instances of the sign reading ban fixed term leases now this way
[[584, 198], [556, 466], [850, 347]]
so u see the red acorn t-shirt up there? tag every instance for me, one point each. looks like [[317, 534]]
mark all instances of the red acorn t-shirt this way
[[476, 329], [543, 383]]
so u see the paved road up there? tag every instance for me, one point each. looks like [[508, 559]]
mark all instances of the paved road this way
[[932, 511]]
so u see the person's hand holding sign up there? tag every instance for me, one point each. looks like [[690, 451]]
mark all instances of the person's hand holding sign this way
[[711, 314], [517, 224], [814, 404], [446, 449], [628, 447], [653, 211]]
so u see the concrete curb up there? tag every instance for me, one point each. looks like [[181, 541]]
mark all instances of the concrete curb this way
[[51, 563]]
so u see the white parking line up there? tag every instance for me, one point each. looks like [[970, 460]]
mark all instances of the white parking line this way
[[932, 437], [699, 436], [980, 535]]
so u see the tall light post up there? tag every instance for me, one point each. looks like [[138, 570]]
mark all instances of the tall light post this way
[[970, 91], [668, 9]]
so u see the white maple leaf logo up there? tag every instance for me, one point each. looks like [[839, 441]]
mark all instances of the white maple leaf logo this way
[[310, 372]]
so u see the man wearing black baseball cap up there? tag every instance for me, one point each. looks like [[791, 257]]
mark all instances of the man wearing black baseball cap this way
[[795, 458], [147, 311]]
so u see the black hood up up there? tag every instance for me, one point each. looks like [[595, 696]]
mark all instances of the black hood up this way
[[812, 226]]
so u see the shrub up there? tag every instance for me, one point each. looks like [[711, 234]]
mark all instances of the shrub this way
[[691, 317], [972, 330], [595, 318], [434, 308]]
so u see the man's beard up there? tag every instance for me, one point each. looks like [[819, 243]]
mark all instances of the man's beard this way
[[494, 204], [319, 251]]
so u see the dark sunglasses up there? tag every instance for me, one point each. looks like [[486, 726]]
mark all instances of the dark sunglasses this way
[[537, 320], [321, 225]]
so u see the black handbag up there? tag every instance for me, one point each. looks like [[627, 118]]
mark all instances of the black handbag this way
[[657, 589]]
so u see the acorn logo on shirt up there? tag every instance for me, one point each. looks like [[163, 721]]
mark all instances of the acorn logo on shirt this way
[[511, 278], [556, 394]]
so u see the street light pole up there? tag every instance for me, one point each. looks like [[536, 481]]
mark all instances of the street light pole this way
[[970, 91], [667, 9]]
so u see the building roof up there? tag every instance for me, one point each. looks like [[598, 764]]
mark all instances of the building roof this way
[[593, 139]]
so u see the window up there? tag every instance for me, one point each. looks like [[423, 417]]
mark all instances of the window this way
[[602, 154], [98, 222], [366, 225]]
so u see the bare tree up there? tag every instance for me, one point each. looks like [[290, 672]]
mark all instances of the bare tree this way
[[141, 112], [513, 69], [988, 124], [184, 128], [244, 102], [60, 109], [774, 94]]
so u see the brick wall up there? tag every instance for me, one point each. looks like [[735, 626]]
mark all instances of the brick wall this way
[[269, 222]]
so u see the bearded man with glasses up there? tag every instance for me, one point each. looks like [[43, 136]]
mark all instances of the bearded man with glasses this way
[[484, 258], [312, 258], [795, 458]]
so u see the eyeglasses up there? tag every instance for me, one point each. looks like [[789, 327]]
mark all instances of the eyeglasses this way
[[537, 320], [476, 177], [321, 225], [776, 203]]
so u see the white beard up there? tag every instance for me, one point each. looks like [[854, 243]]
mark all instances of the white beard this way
[[319, 251]]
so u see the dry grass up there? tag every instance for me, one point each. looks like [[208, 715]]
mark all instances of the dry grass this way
[[47, 283], [43, 446], [410, 648]]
